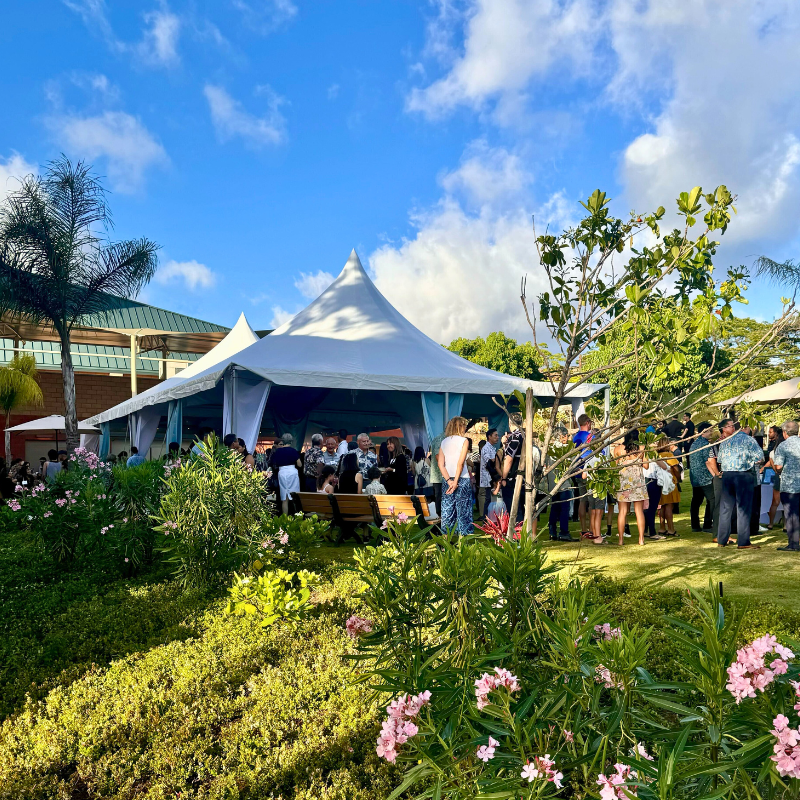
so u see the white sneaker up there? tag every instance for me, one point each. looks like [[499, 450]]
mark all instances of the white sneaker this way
[[626, 535]]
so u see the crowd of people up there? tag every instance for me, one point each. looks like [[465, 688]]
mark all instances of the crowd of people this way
[[727, 465]]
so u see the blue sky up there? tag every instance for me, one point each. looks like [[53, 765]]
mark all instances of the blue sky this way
[[259, 140]]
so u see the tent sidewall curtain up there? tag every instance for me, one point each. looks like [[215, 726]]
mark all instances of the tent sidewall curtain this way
[[438, 408], [243, 405]]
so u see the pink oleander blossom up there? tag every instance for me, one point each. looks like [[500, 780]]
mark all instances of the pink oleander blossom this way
[[542, 767], [14, 505], [607, 678], [640, 751], [488, 683], [60, 502], [568, 736], [402, 517], [606, 632], [787, 748], [47, 514], [398, 728], [284, 539], [613, 787], [358, 626], [486, 751], [749, 673]]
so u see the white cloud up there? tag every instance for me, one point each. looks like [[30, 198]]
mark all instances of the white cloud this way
[[280, 316], [159, 45], [192, 274], [333, 91], [312, 285], [487, 175], [506, 44], [12, 170], [232, 120], [265, 16], [125, 144]]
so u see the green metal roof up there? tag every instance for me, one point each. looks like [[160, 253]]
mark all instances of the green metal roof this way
[[131, 314]]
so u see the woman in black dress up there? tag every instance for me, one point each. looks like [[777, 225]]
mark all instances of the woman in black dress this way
[[395, 478], [350, 479]]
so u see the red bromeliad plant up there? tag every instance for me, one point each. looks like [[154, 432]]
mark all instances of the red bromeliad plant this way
[[496, 526]]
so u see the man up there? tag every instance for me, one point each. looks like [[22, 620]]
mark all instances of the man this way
[[488, 470], [366, 458], [330, 455], [687, 434], [786, 458], [135, 459], [701, 478], [312, 463], [581, 438], [513, 448], [559, 501], [738, 455], [755, 509], [342, 448], [674, 428]]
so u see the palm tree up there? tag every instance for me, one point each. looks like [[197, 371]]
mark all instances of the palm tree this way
[[18, 387], [56, 264], [785, 274]]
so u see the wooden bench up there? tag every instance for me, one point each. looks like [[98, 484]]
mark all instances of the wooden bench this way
[[409, 504], [314, 503]]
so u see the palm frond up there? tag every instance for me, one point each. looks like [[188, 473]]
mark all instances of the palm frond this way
[[782, 274], [18, 385]]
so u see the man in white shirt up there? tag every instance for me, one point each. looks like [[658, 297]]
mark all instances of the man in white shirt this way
[[341, 450], [488, 468]]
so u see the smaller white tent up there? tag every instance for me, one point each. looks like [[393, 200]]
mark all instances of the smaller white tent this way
[[780, 392], [55, 422]]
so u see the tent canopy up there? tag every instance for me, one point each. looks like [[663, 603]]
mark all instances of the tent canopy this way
[[775, 393], [350, 338], [54, 422]]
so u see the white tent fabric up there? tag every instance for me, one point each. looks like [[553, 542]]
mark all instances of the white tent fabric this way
[[243, 407], [238, 338], [350, 337], [54, 422], [776, 393]]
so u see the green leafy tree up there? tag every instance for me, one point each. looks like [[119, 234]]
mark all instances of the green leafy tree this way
[[613, 279], [56, 265], [18, 387], [502, 354]]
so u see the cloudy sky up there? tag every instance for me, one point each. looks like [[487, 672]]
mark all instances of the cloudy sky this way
[[258, 141]]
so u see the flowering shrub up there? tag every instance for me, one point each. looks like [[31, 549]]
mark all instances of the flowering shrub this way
[[399, 728], [535, 692], [286, 538], [358, 626]]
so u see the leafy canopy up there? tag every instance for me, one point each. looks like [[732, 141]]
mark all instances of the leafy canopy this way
[[500, 353], [18, 386]]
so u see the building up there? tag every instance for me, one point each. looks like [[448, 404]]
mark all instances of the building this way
[[164, 342]]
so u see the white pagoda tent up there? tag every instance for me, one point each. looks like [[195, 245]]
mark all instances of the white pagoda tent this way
[[348, 360]]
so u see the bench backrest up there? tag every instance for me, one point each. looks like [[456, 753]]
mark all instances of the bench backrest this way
[[315, 503], [354, 505], [399, 503]]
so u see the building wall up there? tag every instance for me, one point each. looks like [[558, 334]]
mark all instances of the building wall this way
[[93, 393]]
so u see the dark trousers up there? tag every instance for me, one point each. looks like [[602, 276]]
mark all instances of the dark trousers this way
[[559, 513], [700, 493], [508, 498], [653, 496], [716, 484], [437, 496], [755, 510], [737, 494], [310, 483], [791, 515]]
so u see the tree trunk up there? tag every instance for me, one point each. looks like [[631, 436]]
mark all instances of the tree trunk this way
[[512, 514], [70, 410], [530, 490], [8, 439]]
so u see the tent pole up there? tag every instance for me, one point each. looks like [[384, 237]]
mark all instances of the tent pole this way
[[446, 408], [134, 348], [607, 406]]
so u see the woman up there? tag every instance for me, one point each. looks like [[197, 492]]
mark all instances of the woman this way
[[326, 480], [456, 511], [654, 493], [632, 462], [383, 455], [286, 460], [775, 436], [395, 475], [249, 458], [422, 470], [351, 481], [670, 503]]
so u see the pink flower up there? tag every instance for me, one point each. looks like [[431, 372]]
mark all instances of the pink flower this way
[[391, 510], [542, 767], [568, 736], [48, 514], [607, 678], [284, 539], [356, 626], [402, 517], [60, 502], [613, 787], [398, 728], [19, 488], [749, 674], [639, 750], [606, 632], [486, 752], [14, 505], [126, 560], [488, 683], [787, 748]]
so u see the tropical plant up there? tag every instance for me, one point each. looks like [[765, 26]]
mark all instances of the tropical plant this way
[[213, 505], [56, 264], [276, 595], [507, 683], [18, 388]]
